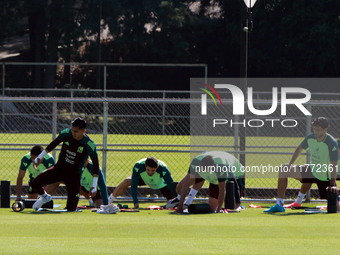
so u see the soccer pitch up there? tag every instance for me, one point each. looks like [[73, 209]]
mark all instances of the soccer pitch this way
[[162, 232], [120, 163]]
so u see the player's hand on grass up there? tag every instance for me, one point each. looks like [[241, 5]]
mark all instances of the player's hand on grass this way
[[179, 209], [136, 206], [92, 192]]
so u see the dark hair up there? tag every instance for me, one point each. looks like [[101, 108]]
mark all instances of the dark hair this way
[[151, 162], [338, 143], [207, 161], [36, 150], [320, 122], [79, 122]]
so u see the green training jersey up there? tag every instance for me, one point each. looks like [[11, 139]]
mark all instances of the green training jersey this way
[[226, 167], [27, 164], [160, 179], [321, 155]]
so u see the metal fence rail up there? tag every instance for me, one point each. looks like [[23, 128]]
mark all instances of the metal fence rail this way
[[128, 129]]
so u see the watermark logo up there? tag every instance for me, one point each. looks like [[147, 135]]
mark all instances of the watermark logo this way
[[238, 100], [204, 97]]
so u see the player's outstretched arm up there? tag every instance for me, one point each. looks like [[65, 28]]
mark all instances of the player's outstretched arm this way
[[184, 192], [93, 189], [221, 195], [20, 178]]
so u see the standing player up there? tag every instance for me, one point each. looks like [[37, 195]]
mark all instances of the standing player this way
[[76, 148], [321, 170], [148, 171], [216, 167], [86, 183], [27, 164]]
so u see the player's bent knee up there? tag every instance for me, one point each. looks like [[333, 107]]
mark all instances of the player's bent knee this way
[[127, 182]]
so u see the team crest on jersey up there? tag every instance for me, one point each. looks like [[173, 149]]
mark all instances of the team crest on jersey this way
[[67, 143], [80, 149]]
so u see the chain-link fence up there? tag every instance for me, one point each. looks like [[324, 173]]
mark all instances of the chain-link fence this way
[[127, 129]]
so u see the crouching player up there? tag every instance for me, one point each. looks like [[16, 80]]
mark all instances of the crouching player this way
[[27, 165], [101, 198], [199, 171], [148, 171]]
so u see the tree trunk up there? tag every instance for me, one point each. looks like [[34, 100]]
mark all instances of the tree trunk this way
[[37, 27]]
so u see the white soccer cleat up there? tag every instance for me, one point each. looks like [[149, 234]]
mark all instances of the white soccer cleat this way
[[42, 200], [172, 203], [108, 209]]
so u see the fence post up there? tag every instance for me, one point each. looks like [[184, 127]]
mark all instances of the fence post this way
[[105, 128], [163, 116], [54, 126], [308, 130], [236, 135], [3, 94], [104, 81], [72, 104]]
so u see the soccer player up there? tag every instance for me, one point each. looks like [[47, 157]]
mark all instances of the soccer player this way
[[27, 164], [148, 171], [86, 183], [216, 167], [321, 169], [76, 148]]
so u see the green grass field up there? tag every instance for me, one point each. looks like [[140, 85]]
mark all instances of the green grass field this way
[[120, 163], [161, 232]]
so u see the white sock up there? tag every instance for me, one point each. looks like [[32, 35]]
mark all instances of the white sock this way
[[191, 196], [279, 201], [111, 198], [90, 201], [44, 195], [179, 197], [299, 198]]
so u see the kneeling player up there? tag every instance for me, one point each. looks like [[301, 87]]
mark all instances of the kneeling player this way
[[148, 171], [198, 173], [86, 181]]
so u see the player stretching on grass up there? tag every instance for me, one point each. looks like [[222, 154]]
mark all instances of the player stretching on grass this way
[[321, 170], [76, 148], [86, 183], [27, 165], [198, 173], [148, 171]]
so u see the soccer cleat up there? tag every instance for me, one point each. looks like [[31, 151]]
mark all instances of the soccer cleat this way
[[291, 205], [108, 209], [275, 208], [106, 212], [42, 200], [172, 203]]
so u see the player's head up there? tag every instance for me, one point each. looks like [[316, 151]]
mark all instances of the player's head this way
[[207, 161], [78, 128], [151, 165], [320, 126], [35, 151]]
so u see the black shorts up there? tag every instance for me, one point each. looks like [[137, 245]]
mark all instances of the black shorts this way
[[214, 190], [308, 177], [165, 190], [94, 199]]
